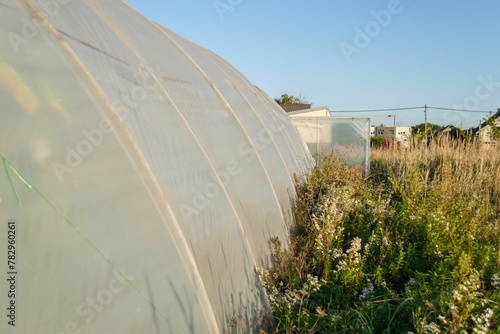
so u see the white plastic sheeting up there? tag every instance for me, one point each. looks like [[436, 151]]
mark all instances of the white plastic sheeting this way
[[142, 179], [348, 138]]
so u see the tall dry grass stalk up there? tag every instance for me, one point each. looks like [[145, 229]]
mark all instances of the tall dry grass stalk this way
[[450, 166]]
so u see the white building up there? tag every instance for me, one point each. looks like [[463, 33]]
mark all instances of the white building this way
[[400, 133]]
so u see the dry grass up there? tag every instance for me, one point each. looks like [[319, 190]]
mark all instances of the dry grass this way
[[449, 166]]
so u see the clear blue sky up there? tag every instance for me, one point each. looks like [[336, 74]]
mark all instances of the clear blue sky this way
[[337, 53]]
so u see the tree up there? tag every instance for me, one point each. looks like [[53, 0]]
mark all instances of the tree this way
[[494, 122], [420, 128], [291, 99], [418, 132]]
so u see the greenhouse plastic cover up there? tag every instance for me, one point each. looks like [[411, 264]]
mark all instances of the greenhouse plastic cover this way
[[346, 137], [142, 176]]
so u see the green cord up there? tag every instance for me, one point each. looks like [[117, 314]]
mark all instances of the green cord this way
[[8, 166]]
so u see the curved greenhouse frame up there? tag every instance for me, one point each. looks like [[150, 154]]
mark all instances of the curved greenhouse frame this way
[[143, 176]]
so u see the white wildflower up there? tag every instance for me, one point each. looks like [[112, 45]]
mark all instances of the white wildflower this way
[[411, 282], [313, 282], [482, 322], [456, 295], [367, 291], [431, 328], [495, 281]]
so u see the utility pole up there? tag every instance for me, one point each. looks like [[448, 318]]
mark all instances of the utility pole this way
[[425, 122], [394, 127]]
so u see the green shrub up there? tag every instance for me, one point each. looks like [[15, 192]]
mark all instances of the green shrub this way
[[376, 142]]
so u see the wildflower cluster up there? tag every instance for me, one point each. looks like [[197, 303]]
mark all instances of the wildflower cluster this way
[[495, 281], [464, 309]]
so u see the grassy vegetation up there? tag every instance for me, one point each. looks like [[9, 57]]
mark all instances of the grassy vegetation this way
[[412, 247]]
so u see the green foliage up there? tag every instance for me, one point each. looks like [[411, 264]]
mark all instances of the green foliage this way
[[376, 142], [419, 135], [431, 128], [402, 250], [290, 99], [494, 122]]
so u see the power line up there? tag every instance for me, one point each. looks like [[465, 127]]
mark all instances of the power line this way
[[463, 110], [377, 110], [410, 108]]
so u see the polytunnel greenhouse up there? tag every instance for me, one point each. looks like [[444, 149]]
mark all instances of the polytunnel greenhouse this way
[[143, 176]]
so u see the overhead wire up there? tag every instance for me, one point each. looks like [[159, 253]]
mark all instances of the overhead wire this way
[[410, 108], [462, 110], [377, 110]]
